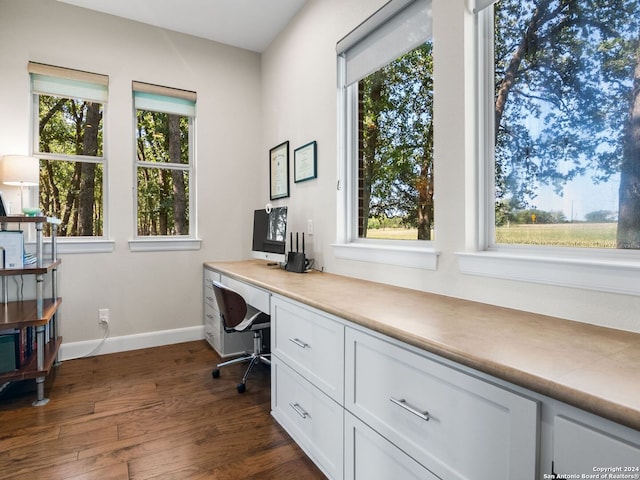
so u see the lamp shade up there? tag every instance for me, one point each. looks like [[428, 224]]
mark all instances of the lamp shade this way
[[20, 170]]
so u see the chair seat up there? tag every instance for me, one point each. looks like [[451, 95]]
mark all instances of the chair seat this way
[[255, 320]]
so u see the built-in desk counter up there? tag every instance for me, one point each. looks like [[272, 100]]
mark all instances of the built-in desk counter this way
[[592, 368]]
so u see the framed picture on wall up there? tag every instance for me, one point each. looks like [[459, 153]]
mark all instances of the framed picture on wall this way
[[279, 171], [305, 162]]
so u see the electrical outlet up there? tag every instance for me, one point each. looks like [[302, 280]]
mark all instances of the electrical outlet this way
[[103, 316], [309, 227]]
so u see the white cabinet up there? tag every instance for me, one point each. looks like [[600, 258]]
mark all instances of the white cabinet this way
[[226, 344], [364, 405], [311, 343], [312, 419], [370, 456], [583, 450], [456, 425], [307, 380]]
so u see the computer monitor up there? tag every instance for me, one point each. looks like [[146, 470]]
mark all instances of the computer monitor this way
[[270, 234]]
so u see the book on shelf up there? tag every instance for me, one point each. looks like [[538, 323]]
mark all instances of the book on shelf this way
[[9, 351], [29, 259], [12, 244], [19, 343]]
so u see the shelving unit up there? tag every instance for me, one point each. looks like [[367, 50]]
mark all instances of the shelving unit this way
[[40, 313]]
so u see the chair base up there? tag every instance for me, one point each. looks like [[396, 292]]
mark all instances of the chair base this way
[[252, 358]]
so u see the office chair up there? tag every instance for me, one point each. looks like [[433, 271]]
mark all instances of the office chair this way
[[237, 316]]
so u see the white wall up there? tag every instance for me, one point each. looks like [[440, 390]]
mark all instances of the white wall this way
[[299, 95], [156, 291]]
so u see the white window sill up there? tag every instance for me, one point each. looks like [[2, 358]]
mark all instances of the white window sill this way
[[403, 256], [601, 271], [164, 244], [68, 245]]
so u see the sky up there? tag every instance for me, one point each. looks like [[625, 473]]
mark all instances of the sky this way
[[580, 197]]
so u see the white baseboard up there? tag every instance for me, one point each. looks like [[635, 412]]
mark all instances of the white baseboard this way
[[69, 351]]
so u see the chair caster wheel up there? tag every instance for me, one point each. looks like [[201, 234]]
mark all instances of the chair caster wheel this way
[[215, 373], [241, 387]]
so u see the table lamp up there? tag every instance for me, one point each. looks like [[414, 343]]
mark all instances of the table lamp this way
[[22, 171]]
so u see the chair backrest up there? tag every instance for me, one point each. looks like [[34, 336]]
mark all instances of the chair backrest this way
[[232, 306]]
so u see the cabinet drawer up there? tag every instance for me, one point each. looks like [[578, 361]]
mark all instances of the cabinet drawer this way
[[212, 335], [371, 457], [211, 315], [254, 296], [310, 343], [580, 449], [313, 420], [208, 277], [456, 425]]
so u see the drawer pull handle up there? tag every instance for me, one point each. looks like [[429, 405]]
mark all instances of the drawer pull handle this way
[[298, 409], [403, 403], [300, 343]]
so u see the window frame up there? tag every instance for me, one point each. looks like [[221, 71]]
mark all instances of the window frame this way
[[139, 243], [607, 270], [74, 244], [409, 253]]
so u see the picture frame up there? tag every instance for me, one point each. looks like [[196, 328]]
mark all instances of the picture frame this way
[[279, 171], [305, 162]]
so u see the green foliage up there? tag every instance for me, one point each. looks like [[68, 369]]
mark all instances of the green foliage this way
[[162, 174], [384, 222], [533, 216], [601, 216], [71, 188]]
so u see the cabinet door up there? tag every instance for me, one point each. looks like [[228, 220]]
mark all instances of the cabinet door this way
[[311, 343], [456, 425], [371, 457], [312, 419], [582, 450]]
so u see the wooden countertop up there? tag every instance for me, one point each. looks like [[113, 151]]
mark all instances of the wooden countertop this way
[[593, 368]]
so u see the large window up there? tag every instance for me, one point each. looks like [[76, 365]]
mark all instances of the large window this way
[[69, 109], [566, 104], [164, 166], [387, 92]]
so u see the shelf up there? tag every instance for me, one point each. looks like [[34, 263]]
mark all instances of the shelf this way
[[33, 269], [30, 370], [39, 312], [24, 314], [25, 219]]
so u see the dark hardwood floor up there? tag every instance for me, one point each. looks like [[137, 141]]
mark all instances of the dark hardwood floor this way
[[152, 413]]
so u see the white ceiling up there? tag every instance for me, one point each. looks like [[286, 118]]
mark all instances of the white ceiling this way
[[250, 24]]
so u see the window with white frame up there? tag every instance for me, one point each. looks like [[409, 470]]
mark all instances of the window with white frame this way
[[559, 143], [69, 137], [565, 139], [386, 95], [164, 160]]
